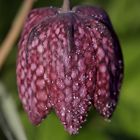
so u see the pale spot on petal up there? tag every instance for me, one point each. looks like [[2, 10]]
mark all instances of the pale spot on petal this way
[[40, 48], [40, 70], [102, 68]]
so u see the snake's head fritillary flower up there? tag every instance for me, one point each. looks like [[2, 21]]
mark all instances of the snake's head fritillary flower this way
[[68, 61]]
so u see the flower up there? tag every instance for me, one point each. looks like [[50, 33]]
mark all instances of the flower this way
[[68, 61]]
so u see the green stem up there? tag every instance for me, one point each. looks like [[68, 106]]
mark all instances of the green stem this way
[[66, 6]]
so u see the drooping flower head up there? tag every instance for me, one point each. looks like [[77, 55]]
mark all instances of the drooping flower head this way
[[68, 61]]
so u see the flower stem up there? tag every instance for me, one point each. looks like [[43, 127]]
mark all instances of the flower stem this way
[[66, 5], [11, 37]]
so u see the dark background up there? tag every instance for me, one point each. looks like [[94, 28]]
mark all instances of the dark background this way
[[125, 123]]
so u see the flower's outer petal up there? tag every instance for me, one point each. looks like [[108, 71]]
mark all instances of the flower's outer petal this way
[[108, 58], [109, 71], [75, 67], [30, 70]]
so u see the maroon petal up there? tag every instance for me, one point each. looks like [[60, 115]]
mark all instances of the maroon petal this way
[[30, 69], [109, 70], [109, 60], [109, 65]]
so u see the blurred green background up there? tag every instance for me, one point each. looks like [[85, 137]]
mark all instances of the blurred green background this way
[[125, 123]]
